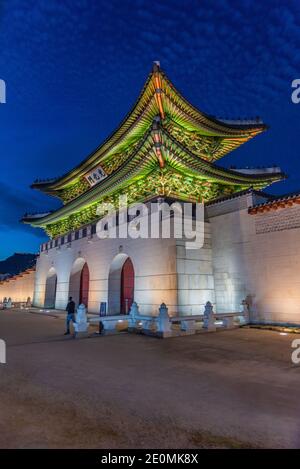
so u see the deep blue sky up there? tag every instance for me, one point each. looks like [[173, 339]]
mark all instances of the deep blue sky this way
[[73, 69]]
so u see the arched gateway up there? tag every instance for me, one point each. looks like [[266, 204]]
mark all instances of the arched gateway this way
[[120, 285], [50, 289], [79, 282], [127, 286], [84, 285]]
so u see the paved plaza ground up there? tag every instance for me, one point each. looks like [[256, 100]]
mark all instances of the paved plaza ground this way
[[228, 389]]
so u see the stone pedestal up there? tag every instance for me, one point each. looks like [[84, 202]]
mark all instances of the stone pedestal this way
[[163, 322], [209, 319], [81, 325], [133, 314], [28, 302]]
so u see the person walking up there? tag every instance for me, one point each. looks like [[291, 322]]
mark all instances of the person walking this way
[[70, 314]]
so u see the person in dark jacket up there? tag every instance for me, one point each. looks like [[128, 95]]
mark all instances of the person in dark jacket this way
[[70, 314]]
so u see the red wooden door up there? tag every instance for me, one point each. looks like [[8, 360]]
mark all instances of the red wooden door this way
[[127, 286], [84, 285]]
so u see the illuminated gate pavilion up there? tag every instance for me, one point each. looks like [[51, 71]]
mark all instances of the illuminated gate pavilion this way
[[164, 148]]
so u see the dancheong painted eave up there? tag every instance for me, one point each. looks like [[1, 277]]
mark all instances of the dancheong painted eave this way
[[143, 163], [164, 146]]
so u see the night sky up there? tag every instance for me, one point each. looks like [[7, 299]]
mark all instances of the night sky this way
[[73, 69]]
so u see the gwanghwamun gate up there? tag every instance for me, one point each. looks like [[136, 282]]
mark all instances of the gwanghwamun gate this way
[[247, 268]]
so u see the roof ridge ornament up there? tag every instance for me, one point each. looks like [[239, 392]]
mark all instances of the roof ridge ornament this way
[[158, 88], [156, 66]]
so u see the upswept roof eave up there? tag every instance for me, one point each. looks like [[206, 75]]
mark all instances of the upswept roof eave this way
[[238, 127], [88, 197], [114, 138], [216, 169]]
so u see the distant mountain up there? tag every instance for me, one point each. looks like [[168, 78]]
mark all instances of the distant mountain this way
[[17, 263]]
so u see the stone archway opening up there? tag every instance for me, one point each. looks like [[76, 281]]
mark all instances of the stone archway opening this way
[[50, 289], [79, 282], [84, 285], [120, 285]]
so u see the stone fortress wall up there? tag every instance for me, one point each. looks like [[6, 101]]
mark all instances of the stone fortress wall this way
[[246, 254], [19, 287], [257, 255]]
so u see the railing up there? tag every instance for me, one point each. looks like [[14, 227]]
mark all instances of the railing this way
[[164, 325], [8, 303]]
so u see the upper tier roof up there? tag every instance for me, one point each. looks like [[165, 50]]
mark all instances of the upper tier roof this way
[[206, 136]]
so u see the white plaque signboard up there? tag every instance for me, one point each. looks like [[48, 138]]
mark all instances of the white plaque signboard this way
[[95, 176]]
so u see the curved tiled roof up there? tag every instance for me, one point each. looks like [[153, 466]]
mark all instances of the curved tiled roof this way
[[163, 130], [171, 103], [282, 201]]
